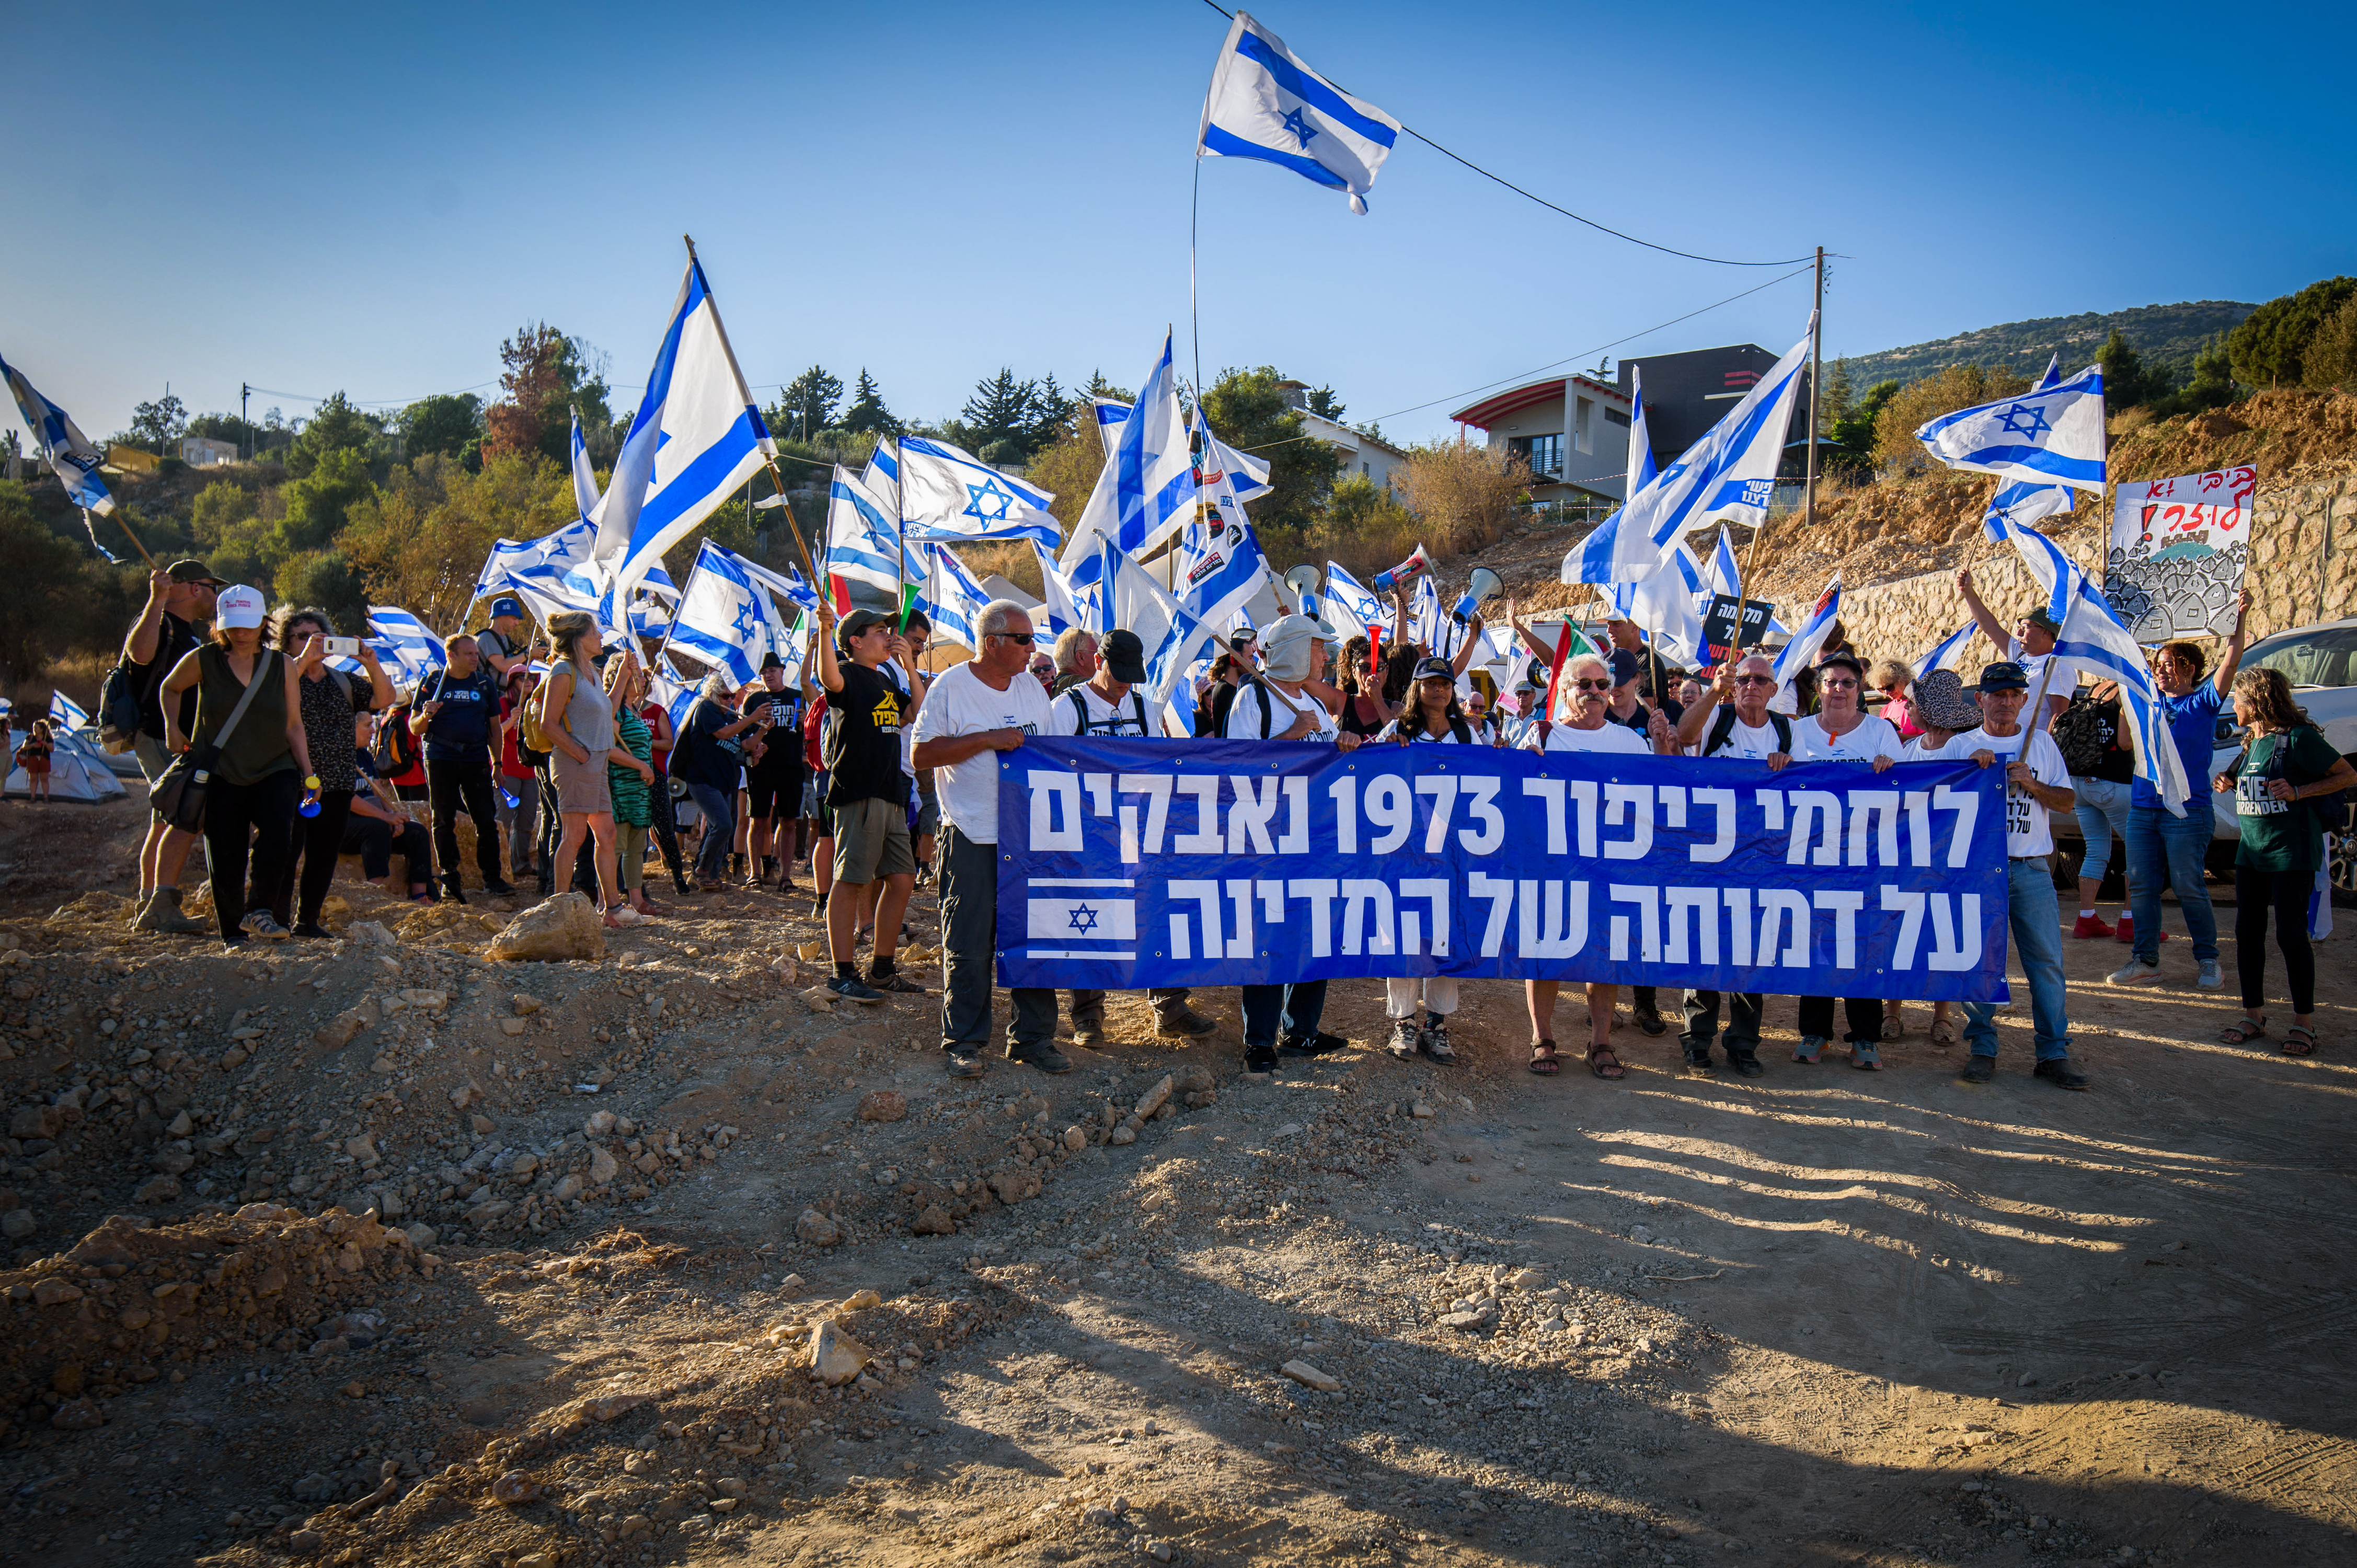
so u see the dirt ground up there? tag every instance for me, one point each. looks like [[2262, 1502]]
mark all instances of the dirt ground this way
[[390, 1294]]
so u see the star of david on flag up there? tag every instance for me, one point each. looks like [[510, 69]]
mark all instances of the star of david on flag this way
[[2053, 435], [1265, 102], [1079, 917], [951, 496]]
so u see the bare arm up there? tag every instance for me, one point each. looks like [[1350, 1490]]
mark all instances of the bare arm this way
[[830, 673], [183, 676], [555, 697], [947, 751], [1993, 628], [140, 645], [299, 739], [1696, 721], [2232, 661], [1465, 645]]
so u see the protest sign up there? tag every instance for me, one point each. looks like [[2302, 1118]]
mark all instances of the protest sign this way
[[2177, 552], [1723, 632], [1128, 864]]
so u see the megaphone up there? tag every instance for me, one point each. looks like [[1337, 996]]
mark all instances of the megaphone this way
[[1304, 580], [1483, 583], [1415, 565]]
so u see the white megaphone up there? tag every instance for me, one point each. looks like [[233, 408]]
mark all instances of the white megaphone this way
[[1483, 583], [1304, 580], [1415, 565]]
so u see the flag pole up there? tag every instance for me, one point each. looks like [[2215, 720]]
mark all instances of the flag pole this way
[[126, 529], [1808, 494]]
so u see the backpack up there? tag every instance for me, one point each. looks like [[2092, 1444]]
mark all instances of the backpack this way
[[1137, 707], [1724, 725], [395, 750], [534, 721], [118, 710], [2083, 732], [1462, 728]]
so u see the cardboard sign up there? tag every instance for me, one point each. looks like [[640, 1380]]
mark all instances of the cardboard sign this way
[[1730, 625], [2178, 551]]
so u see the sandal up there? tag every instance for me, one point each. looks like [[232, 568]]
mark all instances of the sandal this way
[[2243, 1030], [1894, 1028], [1944, 1032], [1603, 1063], [1864, 1058], [2299, 1040], [1543, 1059]]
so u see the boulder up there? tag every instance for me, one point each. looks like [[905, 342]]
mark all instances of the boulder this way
[[564, 927], [934, 1220], [161, 1189], [36, 1121], [1151, 1100], [817, 1229], [882, 1105], [602, 1167], [1015, 1183], [835, 1357]]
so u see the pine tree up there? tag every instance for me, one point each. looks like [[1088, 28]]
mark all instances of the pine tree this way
[[867, 411], [807, 404]]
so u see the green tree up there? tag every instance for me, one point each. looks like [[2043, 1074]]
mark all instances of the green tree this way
[[40, 588], [1249, 411], [247, 438], [2331, 358], [2270, 348], [1100, 387], [1919, 402], [316, 505], [1853, 429], [447, 423], [418, 539], [1321, 401], [2126, 383], [325, 579], [807, 403], [335, 426], [996, 423], [868, 415], [2212, 386], [155, 425]]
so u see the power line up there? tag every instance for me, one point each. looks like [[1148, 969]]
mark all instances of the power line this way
[[373, 402], [1542, 201]]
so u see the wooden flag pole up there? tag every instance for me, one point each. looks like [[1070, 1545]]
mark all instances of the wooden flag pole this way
[[1808, 494]]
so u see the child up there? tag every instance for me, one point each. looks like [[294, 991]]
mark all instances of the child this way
[[33, 756]]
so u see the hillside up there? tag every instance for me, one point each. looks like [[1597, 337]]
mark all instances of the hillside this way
[[2163, 334]]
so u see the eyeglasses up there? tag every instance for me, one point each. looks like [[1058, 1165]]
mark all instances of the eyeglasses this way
[[1021, 638], [1839, 685], [1755, 680], [1592, 685]]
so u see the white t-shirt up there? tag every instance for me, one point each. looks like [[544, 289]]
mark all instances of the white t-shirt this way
[[1104, 718], [962, 703], [1389, 735], [1873, 737], [2027, 829], [1749, 743], [1609, 736], [1243, 715], [1919, 749]]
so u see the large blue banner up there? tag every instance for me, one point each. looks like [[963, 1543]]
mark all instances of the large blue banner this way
[[1128, 864]]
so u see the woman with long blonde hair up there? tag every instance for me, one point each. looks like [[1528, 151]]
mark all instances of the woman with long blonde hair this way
[[579, 723]]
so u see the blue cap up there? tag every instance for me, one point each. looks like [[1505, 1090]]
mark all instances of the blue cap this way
[[506, 604], [1625, 666]]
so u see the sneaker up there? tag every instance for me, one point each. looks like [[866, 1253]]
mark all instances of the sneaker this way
[[963, 1061], [851, 989], [1044, 1055], [1698, 1057], [2135, 971], [311, 931], [1650, 1020], [263, 924], [2210, 980], [1808, 1048], [2091, 927], [2058, 1072], [1183, 1023], [1316, 1045], [897, 985], [1977, 1070], [1747, 1064], [450, 890], [2126, 930], [1089, 1034], [1260, 1058], [500, 889], [1436, 1039], [139, 918], [1405, 1038]]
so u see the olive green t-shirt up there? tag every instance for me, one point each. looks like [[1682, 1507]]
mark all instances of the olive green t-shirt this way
[[2281, 836]]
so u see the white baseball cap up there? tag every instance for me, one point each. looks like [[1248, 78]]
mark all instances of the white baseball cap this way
[[240, 606]]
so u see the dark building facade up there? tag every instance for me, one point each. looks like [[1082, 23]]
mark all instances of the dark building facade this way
[[1687, 394]]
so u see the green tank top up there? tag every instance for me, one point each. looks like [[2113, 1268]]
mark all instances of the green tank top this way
[[257, 747]]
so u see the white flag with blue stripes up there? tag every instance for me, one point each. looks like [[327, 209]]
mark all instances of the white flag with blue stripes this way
[[1944, 653], [882, 476], [1668, 606], [1355, 603], [697, 437], [584, 479], [1247, 474], [549, 572], [64, 710], [405, 645], [949, 494], [723, 619], [1146, 492], [1221, 565], [70, 455], [2024, 502], [2095, 639], [953, 600], [1590, 559], [1173, 638], [2051, 435], [1802, 650], [863, 536], [1265, 102], [1056, 603]]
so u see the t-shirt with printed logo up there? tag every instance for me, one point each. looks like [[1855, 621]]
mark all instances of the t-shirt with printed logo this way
[[863, 744], [2026, 829], [962, 703]]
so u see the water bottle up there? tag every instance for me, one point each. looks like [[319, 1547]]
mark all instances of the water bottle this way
[[310, 806], [507, 796]]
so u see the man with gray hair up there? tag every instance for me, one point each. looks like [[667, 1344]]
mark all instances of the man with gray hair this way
[[973, 712], [1076, 659]]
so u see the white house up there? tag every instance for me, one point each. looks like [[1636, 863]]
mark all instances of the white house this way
[[1573, 431], [1365, 456], [204, 451]]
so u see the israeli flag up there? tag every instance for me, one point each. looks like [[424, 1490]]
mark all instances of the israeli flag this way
[[677, 694], [1724, 575], [1944, 654], [1173, 638], [789, 582], [695, 440], [1355, 602], [2095, 639], [1146, 492], [947, 494], [1424, 615], [1220, 566], [1248, 474], [1668, 606], [585, 480], [1111, 414], [1267, 103], [2056, 572], [1802, 650], [723, 619], [1077, 916], [1591, 561], [405, 645], [882, 475], [548, 572], [2051, 435], [70, 455], [658, 581], [953, 600], [1057, 603], [863, 538], [65, 711]]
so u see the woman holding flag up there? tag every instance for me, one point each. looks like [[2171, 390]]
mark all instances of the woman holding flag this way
[[1433, 717]]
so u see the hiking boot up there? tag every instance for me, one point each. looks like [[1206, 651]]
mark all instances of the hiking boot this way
[[263, 924], [895, 984], [1406, 1038], [311, 931], [1650, 1020], [163, 913], [2092, 928], [1183, 1023], [1088, 1032], [1977, 1070], [1698, 1057], [500, 889], [2058, 1072], [1747, 1064], [1435, 1038], [1260, 1058], [138, 917], [1043, 1055], [450, 890], [1316, 1045], [851, 989], [963, 1061]]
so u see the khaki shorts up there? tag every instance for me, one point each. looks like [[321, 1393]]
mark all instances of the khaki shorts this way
[[871, 839]]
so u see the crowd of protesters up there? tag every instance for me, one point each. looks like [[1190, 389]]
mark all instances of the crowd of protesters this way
[[870, 775]]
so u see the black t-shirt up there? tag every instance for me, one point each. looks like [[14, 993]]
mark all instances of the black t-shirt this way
[[1640, 717], [782, 755], [700, 755], [175, 639], [461, 730], [863, 743]]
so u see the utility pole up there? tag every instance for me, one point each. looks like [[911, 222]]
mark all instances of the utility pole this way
[[1816, 356], [245, 426]]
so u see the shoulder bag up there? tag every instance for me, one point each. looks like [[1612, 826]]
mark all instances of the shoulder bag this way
[[178, 797]]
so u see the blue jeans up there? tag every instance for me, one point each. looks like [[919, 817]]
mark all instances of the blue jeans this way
[[2157, 839], [2035, 920], [718, 809], [2102, 810], [1296, 1009]]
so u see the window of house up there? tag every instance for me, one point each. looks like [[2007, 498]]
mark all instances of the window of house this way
[[1543, 453], [1583, 425]]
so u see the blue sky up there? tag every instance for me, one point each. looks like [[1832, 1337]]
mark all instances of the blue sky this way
[[312, 198]]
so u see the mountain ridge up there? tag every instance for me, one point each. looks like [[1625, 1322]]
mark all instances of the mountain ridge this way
[[2164, 335]]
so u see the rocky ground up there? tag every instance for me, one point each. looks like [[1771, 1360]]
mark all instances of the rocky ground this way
[[383, 1251]]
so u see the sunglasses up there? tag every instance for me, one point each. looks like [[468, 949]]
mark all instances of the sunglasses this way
[[1755, 680], [1839, 685], [1592, 685], [1020, 638]]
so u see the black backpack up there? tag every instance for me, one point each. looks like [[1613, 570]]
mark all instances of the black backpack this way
[[2084, 731], [1724, 725], [1080, 711]]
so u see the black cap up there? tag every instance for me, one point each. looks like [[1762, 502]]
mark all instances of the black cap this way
[[1625, 666], [195, 572], [1843, 656], [771, 660], [2005, 676], [1243, 639], [859, 621], [1124, 653]]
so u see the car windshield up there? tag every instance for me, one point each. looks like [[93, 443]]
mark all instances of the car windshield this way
[[2324, 657]]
